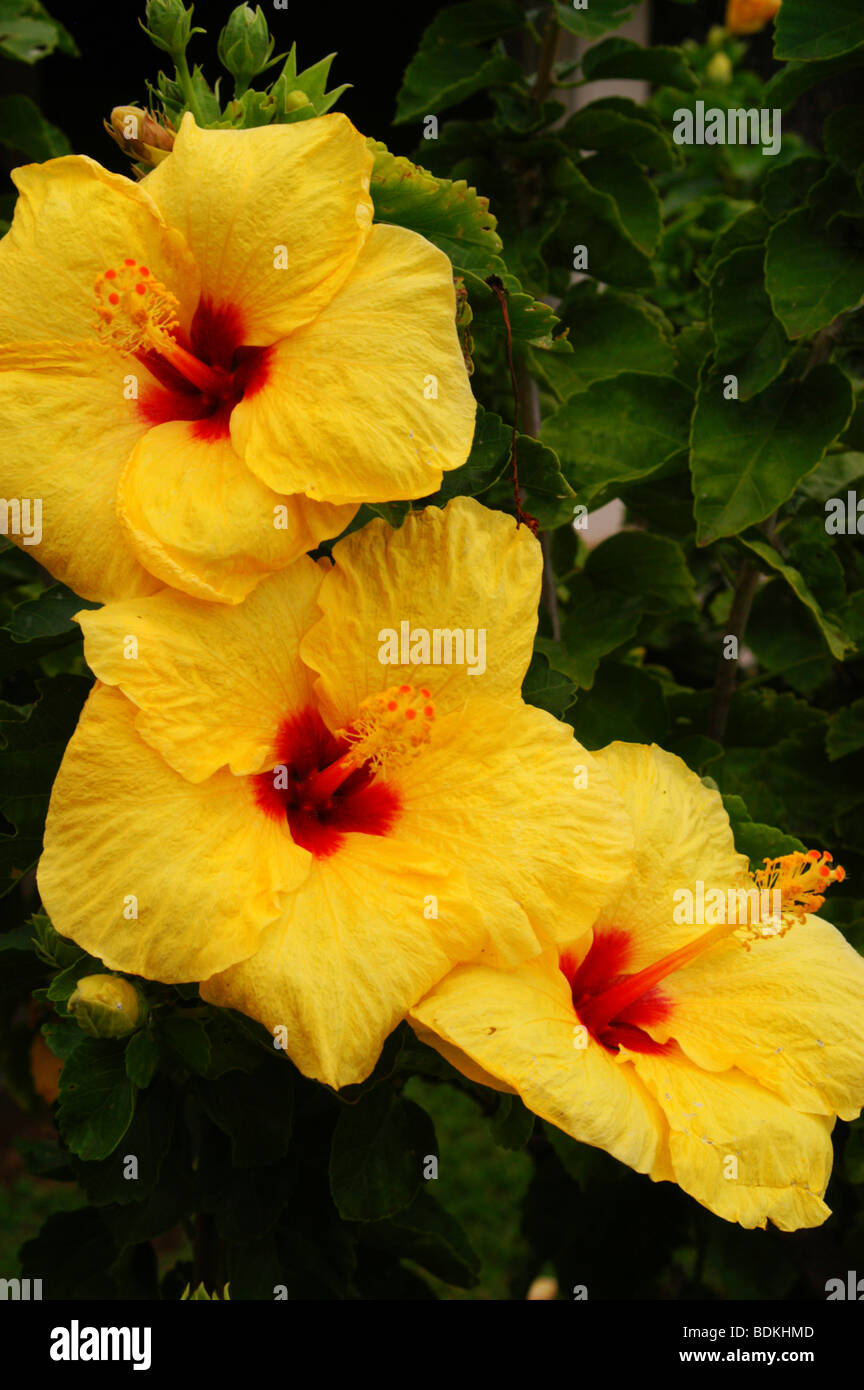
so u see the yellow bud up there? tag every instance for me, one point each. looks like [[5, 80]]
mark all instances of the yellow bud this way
[[719, 70], [294, 100], [749, 16], [716, 34], [106, 1006], [140, 135]]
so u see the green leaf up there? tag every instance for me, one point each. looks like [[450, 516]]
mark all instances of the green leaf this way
[[845, 731], [531, 321], [377, 1156], [610, 332], [49, 615], [447, 67], [256, 1111], [591, 18], [757, 841], [805, 31], [620, 126], [188, 1040], [426, 1233], [97, 1099], [619, 430], [748, 456], [490, 451], [548, 496], [814, 272], [28, 33], [619, 57], [749, 340], [784, 189], [24, 129], [843, 136], [651, 569], [591, 218], [512, 1124], [793, 80], [142, 1058], [72, 1255], [30, 755], [596, 624], [545, 688], [445, 211], [837, 640], [624, 703], [634, 194], [148, 1140]]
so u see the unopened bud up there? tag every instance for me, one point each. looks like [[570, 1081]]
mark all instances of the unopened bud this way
[[106, 1006], [719, 70], [245, 44], [169, 25], [749, 16], [292, 101], [140, 135]]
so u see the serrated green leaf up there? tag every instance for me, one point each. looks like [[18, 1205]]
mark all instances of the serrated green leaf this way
[[28, 32], [619, 430], [545, 688], [648, 568], [637, 200], [610, 332], [591, 18], [49, 615], [142, 1058], [619, 126], [97, 1100], [623, 703], [445, 211], [845, 731], [377, 1156], [748, 456], [448, 67], [814, 272], [805, 31], [837, 640], [622, 58], [748, 339]]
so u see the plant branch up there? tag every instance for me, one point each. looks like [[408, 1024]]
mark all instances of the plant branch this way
[[546, 62]]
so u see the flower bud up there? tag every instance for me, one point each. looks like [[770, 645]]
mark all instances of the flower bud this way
[[719, 70], [140, 135], [169, 25], [749, 16], [106, 1006], [245, 44], [293, 101]]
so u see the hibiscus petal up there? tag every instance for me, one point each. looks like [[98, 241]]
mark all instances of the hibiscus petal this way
[[73, 221], [213, 684], [682, 834], [350, 954], [199, 865], [519, 1026], [67, 433], [494, 791], [201, 522], [347, 413], [464, 568], [275, 216], [782, 1158], [788, 1012]]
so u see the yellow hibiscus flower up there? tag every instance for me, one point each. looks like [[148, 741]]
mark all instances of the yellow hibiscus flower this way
[[202, 375], [297, 802], [749, 16], [717, 1059]]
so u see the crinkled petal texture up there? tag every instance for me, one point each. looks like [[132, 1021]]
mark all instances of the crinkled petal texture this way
[[682, 834], [212, 684], [371, 399], [464, 569], [66, 432], [519, 1026], [73, 220], [737, 1148], [199, 520], [155, 876], [274, 216], [789, 1012], [355, 945]]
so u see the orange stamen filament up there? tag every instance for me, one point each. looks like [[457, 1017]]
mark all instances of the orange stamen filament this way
[[612, 1002]]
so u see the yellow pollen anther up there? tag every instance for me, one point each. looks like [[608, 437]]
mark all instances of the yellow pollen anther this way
[[133, 310], [390, 728]]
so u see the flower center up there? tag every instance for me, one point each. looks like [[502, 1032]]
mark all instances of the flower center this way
[[616, 1007], [327, 785], [137, 316]]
